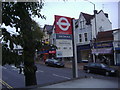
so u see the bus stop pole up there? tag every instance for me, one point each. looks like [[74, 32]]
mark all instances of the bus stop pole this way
[[74, 61]]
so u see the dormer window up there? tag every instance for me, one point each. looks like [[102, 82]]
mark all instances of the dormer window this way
[[82, 24]]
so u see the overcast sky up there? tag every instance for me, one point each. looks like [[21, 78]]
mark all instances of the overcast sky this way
[[72, 8]]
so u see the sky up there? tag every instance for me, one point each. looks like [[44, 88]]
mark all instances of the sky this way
[[72, 8]]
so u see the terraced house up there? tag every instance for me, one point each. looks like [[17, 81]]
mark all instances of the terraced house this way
[[86, 28]]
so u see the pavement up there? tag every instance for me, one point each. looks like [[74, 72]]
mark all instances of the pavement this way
[[87, 82], [84, 83]]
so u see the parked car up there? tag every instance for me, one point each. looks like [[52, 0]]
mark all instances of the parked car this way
[[54, 62], [99, 68]]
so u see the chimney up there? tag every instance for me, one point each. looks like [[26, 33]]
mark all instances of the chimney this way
[[106, 15], [95, 11]]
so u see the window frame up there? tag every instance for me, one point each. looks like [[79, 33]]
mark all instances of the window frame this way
[[80, 37], [86, 36]]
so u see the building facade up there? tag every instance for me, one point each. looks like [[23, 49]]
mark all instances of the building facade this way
[[86, 31], [103, 47], [102, 23], [83, 30], [116, 45], [47, 30]]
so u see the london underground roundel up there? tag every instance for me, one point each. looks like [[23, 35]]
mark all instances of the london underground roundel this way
[[63, 25]]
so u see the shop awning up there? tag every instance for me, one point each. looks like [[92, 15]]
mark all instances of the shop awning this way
[[102, 51], [118, 48], [52, 52]]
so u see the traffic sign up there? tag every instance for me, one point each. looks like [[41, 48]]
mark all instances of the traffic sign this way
[[63, 25], [63, 30]]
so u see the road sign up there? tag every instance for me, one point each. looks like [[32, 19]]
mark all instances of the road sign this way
[[63, 30], [63, 25], [64, 48], [65, 40]]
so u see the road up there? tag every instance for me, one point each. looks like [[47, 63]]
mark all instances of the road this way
[[45, 75]]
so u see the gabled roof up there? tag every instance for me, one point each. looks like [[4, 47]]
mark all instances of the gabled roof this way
[[87, 17], [48, 28], [103, 12], [106, 15]]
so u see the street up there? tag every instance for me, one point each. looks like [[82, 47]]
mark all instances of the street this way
[[45, 75]]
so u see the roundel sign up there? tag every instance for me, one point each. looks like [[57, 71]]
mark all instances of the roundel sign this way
[[63, 25]]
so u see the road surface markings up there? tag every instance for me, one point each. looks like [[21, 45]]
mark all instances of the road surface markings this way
[[13, 66], [15, 69], [5, 84], [61, 76], [39, 71]]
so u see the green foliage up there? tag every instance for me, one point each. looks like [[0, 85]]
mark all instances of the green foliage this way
[[8, 55], [18, 15]]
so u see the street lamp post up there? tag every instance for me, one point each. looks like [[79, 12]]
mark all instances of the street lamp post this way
[[95, 29]]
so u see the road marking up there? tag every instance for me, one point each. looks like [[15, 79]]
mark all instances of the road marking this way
[[15, 69], [13, 66], [39, 71], [61, 76], [5, 84]]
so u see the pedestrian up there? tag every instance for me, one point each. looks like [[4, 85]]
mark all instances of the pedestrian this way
[[20, 71]]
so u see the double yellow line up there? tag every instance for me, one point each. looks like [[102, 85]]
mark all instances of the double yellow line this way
[[5, 84]]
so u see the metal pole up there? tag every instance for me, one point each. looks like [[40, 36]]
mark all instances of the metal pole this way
[[95, 29], [74, 61], [93, 53]]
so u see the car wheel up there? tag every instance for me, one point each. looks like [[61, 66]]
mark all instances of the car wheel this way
[[88, 71], [106, 73]]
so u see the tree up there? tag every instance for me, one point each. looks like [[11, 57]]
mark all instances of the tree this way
[[19, 15]]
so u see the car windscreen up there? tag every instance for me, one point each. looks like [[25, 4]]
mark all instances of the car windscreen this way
[[91, 64], [103, 65], [53, 60]]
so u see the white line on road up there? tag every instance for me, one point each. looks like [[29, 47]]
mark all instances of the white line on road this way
[[61, 76], [40, 71], [13, 66], [15, 69]]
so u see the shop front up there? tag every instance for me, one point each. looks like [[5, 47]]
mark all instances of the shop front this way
[[104, 55], [83, 52], [52, 53], [117, 56], [45, 54], [103, 52]]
